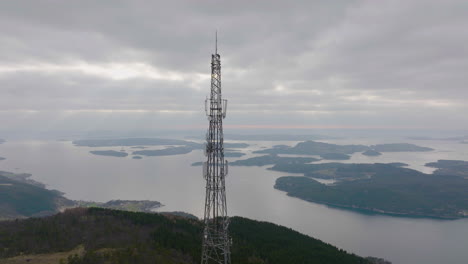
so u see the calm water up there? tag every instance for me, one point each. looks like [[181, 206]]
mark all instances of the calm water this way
[[179, 186]]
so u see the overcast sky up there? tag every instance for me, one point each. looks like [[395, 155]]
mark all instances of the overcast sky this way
[[131, 65]]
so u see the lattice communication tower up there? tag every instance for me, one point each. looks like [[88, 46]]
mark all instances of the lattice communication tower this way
[[216, 241]]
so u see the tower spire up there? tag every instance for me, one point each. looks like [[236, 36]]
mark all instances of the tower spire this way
[[216, 42]]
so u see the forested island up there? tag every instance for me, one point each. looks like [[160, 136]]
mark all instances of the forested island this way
[[99, 236], [267, 160], [233, 154], [173, 147], [314, 148], [335, 156], [131, 142], [111, 153], [388, 188], [272, 159], [399, 147], [378, 188], [164, 152], [371, 153], [277, 137], [333, 150]]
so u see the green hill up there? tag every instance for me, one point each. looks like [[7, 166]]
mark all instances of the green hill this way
[[110, 236]]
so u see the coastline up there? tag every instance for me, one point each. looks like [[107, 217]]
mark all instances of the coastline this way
[[373, 211]]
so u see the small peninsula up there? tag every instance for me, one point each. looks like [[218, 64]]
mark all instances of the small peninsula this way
[[450, 167], [110, 153], [22, 197]]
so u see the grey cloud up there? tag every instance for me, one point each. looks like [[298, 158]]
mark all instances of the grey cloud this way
[[367, 63]]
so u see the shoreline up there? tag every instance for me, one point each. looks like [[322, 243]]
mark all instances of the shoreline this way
[[369, 211]]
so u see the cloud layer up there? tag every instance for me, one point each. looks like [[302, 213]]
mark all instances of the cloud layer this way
[[145, 64]]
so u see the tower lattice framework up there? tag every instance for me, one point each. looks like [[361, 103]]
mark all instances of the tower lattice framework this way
[[216, 241]]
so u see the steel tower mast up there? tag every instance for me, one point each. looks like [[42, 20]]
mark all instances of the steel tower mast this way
[[216, 241]]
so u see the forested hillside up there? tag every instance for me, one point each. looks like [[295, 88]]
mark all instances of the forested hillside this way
[[110, 236]]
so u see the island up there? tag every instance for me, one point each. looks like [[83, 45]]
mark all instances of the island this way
[[268, 160], [235, 145], [137, 157], [314, 148], [132, 142], [110, 153], [399, 147], [2, 158], [378, 188], [277, 137], [233, 154], [142, 142], [321, 148], [272, 137], [450, 167], [335, 156], [174, 146], [164, 152], [371, 153], [272, 159]]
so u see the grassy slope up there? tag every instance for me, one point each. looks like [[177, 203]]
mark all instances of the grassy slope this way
[[145, 238]]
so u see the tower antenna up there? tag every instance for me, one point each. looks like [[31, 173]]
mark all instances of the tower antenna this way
[[216, 241]]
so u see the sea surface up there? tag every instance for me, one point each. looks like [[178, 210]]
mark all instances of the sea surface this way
[[250, 193]]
